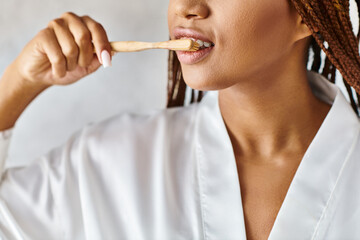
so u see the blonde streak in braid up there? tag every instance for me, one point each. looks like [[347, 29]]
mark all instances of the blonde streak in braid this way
[[335, 22]]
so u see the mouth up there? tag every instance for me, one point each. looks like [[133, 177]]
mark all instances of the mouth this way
[[202, 44], [192, 57]]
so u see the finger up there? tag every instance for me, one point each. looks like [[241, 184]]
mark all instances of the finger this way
[[94, 65], [81, 72], [51, 47], [99, 36], [67, 42], [82, 37]]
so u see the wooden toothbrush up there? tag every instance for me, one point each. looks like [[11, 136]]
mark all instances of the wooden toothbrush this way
[[133, 46]]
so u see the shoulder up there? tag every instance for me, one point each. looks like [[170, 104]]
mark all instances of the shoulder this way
[[129, 136], [130, 127], [150, 119]]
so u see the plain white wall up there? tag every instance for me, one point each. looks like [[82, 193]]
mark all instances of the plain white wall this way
[[136, 82]]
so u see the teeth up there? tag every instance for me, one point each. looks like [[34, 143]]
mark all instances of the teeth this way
[[202, 44], [206, 44]]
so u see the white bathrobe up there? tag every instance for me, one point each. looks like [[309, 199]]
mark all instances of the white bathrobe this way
[[171, 174]]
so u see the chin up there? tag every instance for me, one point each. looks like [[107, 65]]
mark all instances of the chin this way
[[196, 79], [204, 82]]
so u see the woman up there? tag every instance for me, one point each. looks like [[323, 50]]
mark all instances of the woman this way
[[270, 152]]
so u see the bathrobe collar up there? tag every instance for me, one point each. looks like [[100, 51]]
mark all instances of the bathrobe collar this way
[[310, 191]]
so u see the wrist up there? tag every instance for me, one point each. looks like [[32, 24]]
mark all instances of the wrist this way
[[16, 93], [17, 82]]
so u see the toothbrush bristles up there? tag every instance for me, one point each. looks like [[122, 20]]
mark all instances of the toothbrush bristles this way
[[195, 46]]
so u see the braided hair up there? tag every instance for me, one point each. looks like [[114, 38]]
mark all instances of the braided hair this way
[[334, 36]]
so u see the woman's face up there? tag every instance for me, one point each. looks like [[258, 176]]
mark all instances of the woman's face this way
[[250, 37]]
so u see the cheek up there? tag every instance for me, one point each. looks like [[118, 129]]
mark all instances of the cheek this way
[[273, 29], [250, 36], [257, 37]]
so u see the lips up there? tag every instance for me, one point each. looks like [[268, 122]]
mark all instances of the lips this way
[[192, 57]]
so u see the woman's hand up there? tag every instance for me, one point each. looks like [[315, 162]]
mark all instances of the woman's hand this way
[[63, 52], [60, 54]]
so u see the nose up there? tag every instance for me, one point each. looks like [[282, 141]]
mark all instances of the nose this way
[[191, 9]]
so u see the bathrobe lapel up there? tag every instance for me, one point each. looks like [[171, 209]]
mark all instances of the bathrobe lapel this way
[[308, 197], [220, 197], [310, 193]]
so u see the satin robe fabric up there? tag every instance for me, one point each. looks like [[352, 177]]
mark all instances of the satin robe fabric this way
[[171, 174]]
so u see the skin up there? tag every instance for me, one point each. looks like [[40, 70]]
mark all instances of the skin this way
[[271, 114], [60, 54], [257, 65]]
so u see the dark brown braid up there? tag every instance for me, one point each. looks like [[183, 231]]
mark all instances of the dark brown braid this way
[[335, 37]]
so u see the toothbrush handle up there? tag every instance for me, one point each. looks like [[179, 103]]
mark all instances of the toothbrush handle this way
[[130, 46], [133, 46]]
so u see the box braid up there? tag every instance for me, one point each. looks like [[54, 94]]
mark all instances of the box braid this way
[[331, 18]]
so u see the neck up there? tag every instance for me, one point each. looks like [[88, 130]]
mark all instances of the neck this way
[[272, 114]]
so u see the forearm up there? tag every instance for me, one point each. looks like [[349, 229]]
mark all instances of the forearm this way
[[15, 95]]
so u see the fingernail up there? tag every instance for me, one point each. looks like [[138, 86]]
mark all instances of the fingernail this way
[[105, 57]]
